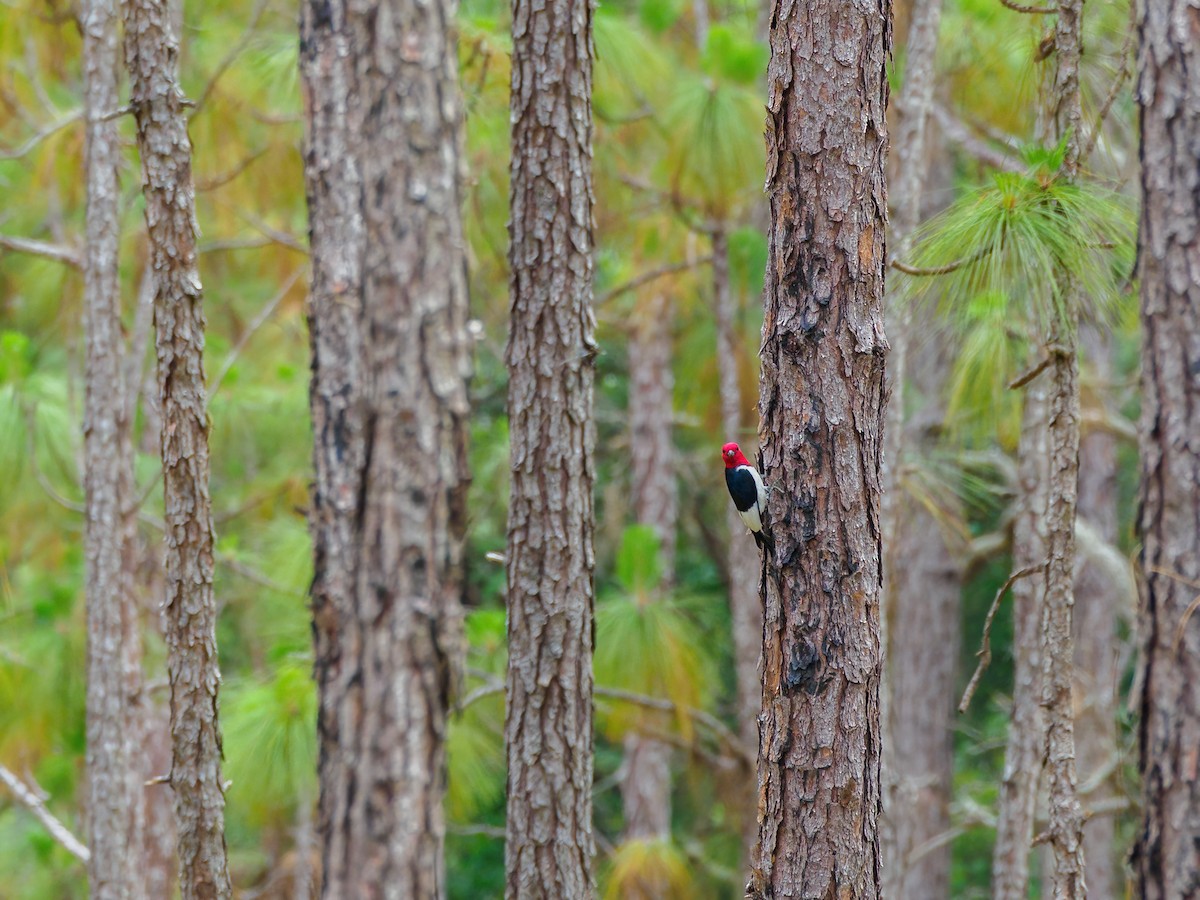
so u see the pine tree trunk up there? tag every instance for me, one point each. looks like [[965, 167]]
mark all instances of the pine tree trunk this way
[[1023, 753], [1095, 638], [1167, 856], [114, 641], [390, 358], [915, 693], [1065, 814], [551, 521], [822, 408], [151, 54], [646, 782]]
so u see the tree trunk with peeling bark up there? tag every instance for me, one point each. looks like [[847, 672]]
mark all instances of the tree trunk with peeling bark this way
[[390, 359], [1022, 755], [151, 54], [114, 806], [551, 519], [1166, 858], [822, 409]]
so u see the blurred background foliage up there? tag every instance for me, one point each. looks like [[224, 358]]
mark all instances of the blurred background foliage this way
[[678, 149]]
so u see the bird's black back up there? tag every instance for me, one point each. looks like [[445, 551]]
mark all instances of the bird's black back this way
[[742, 488]]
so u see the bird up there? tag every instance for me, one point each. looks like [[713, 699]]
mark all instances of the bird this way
[[748, 492]]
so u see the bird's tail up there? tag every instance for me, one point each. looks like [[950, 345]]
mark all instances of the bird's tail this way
[[764, 540]]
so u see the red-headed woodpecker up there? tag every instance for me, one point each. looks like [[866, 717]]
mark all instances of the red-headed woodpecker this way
[[748, 492]]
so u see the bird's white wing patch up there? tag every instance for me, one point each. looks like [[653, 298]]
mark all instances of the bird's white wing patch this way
[[752, 519]]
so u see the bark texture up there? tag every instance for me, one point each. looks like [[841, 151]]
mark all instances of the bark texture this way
[[151, 54], [1065, 826], [1022, 755], [114, 659], [921, 601], [822, 408], [646, 781], [551, 520], [387, 319], [1098, 598], [1167, 856]]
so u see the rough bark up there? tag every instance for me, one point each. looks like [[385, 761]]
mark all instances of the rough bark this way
[[1065, 826], [151, 54], [646, 781], [1022, 755], [745, 609], [822, 408], [387, 318], [551, 520], [1098, 599], [114, 658], [903, 817], [1167, 856]]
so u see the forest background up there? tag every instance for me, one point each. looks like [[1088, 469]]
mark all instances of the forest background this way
[[680, 225]]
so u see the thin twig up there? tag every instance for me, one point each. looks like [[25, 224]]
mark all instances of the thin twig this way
[[1029, 10], [1123, 73], [985, 648], [32, 802], [283, 238], [234, 52], [958, 132], [47, 131], [258, 321], [652, 275], [936, 270], [56, 252], [1022, 380]]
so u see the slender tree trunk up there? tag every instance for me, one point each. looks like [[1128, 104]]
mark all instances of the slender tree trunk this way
[[1065, 828], [1167, 856], [646, 782], [114, 640], [151, 53], [387, 318], [914, 701], [551, 521], [1095, 639], [822, 408], [1022, 755], [745, 609]]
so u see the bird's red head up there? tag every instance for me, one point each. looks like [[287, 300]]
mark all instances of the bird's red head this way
[[732, 454]]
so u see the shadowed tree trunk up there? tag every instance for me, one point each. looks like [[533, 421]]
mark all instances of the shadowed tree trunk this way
[[646, 781], [1095, 638], [918, 605], [387, 318], [1167, 856], [114, 640], [151, 54], [822, 408], [1022, 755], [551, 520]]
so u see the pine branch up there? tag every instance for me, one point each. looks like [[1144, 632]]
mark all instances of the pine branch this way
[[57, 252], [32, 802], [958, 132], [1029, 10], [985, 648], [652, 275], [47, 131]]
